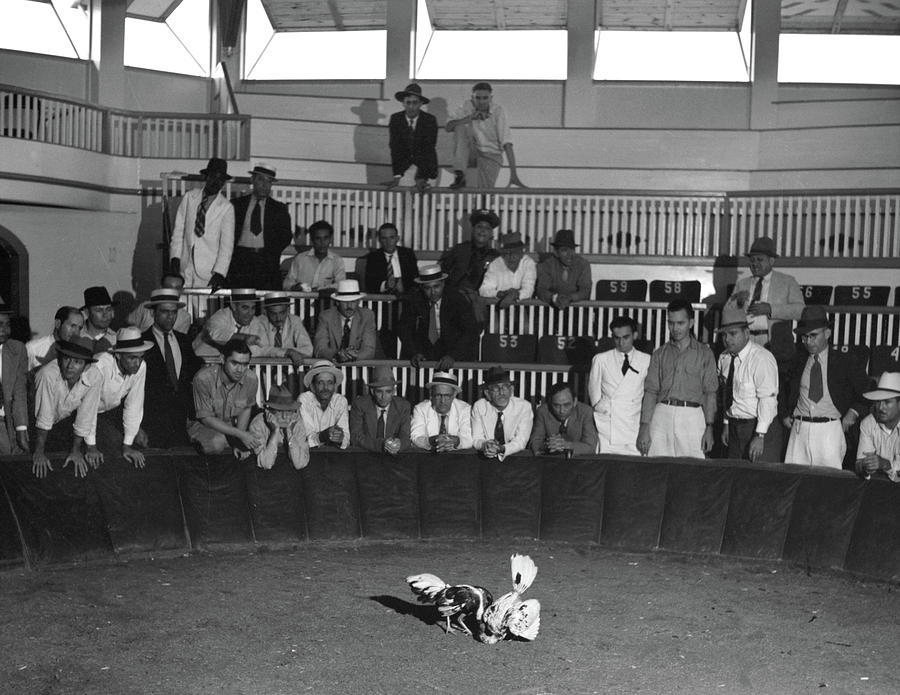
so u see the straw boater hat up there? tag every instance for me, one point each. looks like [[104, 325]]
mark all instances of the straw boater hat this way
[[484, 215], [165, 295], [513, 240], [80, 347], [496, 375], [443, 379], [411, 90], [764, 245], [347, 291], [129, 339], [381, 376], [812, 318], [733, 316], [323, 367], [429, 274], [97, 296], [263, 170], [276, 299], [216, 166], [888, 387], [564, 237], [244, 295], [281, 398]]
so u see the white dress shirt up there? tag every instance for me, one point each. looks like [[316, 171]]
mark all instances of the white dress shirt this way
[[426, 423], [873, 436], [518, 418], [55, 401], [315, 419], [755, 385], [498, 277]]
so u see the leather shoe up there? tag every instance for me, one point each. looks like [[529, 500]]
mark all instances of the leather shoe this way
[[459, 181]]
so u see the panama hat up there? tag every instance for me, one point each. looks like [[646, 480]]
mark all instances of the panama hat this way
[[430, 273], [244, 295], [165, 295], [323, 367], [129, 339], [888, 387], [263, 170], [276, 299], [443, 379], [347, 291]]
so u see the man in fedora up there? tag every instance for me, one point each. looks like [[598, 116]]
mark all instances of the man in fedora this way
[[501, 421], [67, 394], [563, 425], [171, 366], [224, 399], [512, 276], [120, 411], [318, 268], [142, 315], [823, 395], [564, 276], [442, 423], [437, 323], [13, 388], [229, 322], [203, 234], [262, 231], [879, 434], [771, 299], [413, 140], [481, 135], [324, 410], [380, 420], [280, 333], [281, 429], [99, 313], [67, 323], [466, 262], [346, 331], [748, 378]]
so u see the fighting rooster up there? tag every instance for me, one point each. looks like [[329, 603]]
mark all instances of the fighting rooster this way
[[455, 604], [510, 615]]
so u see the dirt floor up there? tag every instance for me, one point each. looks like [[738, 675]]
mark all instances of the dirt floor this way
[[339, 618]]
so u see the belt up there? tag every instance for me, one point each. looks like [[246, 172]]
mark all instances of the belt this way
[[680, 403], [741, 419], [247, 249], [806, 418], [759, 332]]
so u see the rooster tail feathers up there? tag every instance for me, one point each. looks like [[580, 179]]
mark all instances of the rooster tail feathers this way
[[523, 572], [525, 620], [426, 586]]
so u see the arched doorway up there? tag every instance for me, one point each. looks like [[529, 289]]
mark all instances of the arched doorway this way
[[14, 281]]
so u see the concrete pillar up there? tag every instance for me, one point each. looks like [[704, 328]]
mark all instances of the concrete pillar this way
[[766, 28], [401, 35], [106, 80], [578, 107]]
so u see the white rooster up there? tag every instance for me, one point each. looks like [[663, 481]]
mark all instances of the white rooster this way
[[510, 615]]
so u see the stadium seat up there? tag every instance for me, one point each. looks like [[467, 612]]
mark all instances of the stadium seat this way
[[668, 290], [885, 358], [859, 352], [861, 295], [621, 290], [816, 294], [558, 349], [897, 296], [503, 348]]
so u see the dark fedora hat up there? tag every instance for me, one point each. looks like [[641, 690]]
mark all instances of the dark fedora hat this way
[[281, 398], [564, 237], [496, 375], [80, 347], [381, 376], [97, 296], [484, 215], [216, 166], [764, 245], [513, 240], [812, 318], [412, 89]]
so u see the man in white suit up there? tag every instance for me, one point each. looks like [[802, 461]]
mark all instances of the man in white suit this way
[[203, 235], [616, 389]]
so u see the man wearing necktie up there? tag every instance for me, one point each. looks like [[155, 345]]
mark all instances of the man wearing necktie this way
[[380, 420], [391, 268], [748, 375], [616, 389], [346, 332], [280, 333], [823, 397], [412, 140], [263, 230], [563, 425], [442, 423], [232, 321], [501, 422]]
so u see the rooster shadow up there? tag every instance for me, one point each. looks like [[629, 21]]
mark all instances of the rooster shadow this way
[[427, 614]]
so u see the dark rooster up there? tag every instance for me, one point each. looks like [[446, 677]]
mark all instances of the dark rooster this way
[[510, 615], [456, 604]]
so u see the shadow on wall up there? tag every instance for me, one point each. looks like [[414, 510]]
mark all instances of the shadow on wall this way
[[147, 262], [370, 145], [724, 277]]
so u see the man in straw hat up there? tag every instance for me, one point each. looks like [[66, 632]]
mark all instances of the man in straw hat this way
[[512, 276], [281, 429], [229, 322], [346, 331], [280, 333], [748, 375], [437, 324], [413, 140], [13, 388], [99, 312], [380, 420], [262, 231], [879, 434], [203, 234], [501, 421], [564, 276], [124, 376], [324, 410], [67, 393], [171, 366], [142, 315], [823, 396], [443, 422]]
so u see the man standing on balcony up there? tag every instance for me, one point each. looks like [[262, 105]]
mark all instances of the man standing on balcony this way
[[413, 141], [203, 235], [263, 230]]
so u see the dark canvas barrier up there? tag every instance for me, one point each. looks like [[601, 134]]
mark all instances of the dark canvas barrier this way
[[635, 500], [696, 507], [572, 505], [276, 499], [215, 501], [11, 551], [511, 498], [449, 495], [759, 512], [871, 550], [330, 497], [388, 497]]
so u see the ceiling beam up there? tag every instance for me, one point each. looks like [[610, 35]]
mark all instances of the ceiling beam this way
[[336, 15], [499, 14], [838, 17]]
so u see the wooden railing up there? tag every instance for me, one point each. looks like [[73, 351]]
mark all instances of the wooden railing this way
[[31, 115]]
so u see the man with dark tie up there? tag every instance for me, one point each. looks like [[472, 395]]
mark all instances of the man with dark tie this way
[[280, 333], [442, 423], [501, 421], [262, 231], [413, 140], [390, 269], [563, 425], [748, 375], [380, 420], [171, 366], [232, 321], [346, 332], [823, 397]]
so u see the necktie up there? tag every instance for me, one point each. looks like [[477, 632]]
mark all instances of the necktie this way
[[499, 434], [200, 220], [379, 428], [728, 396], [389, 275], [565, 274], [564, 427], [345, 338], [443, 428], [278, 337], [815, 381], [256, 219], [433, 334], [757, 291], [412, 126], [625, 366], [170, 361]]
